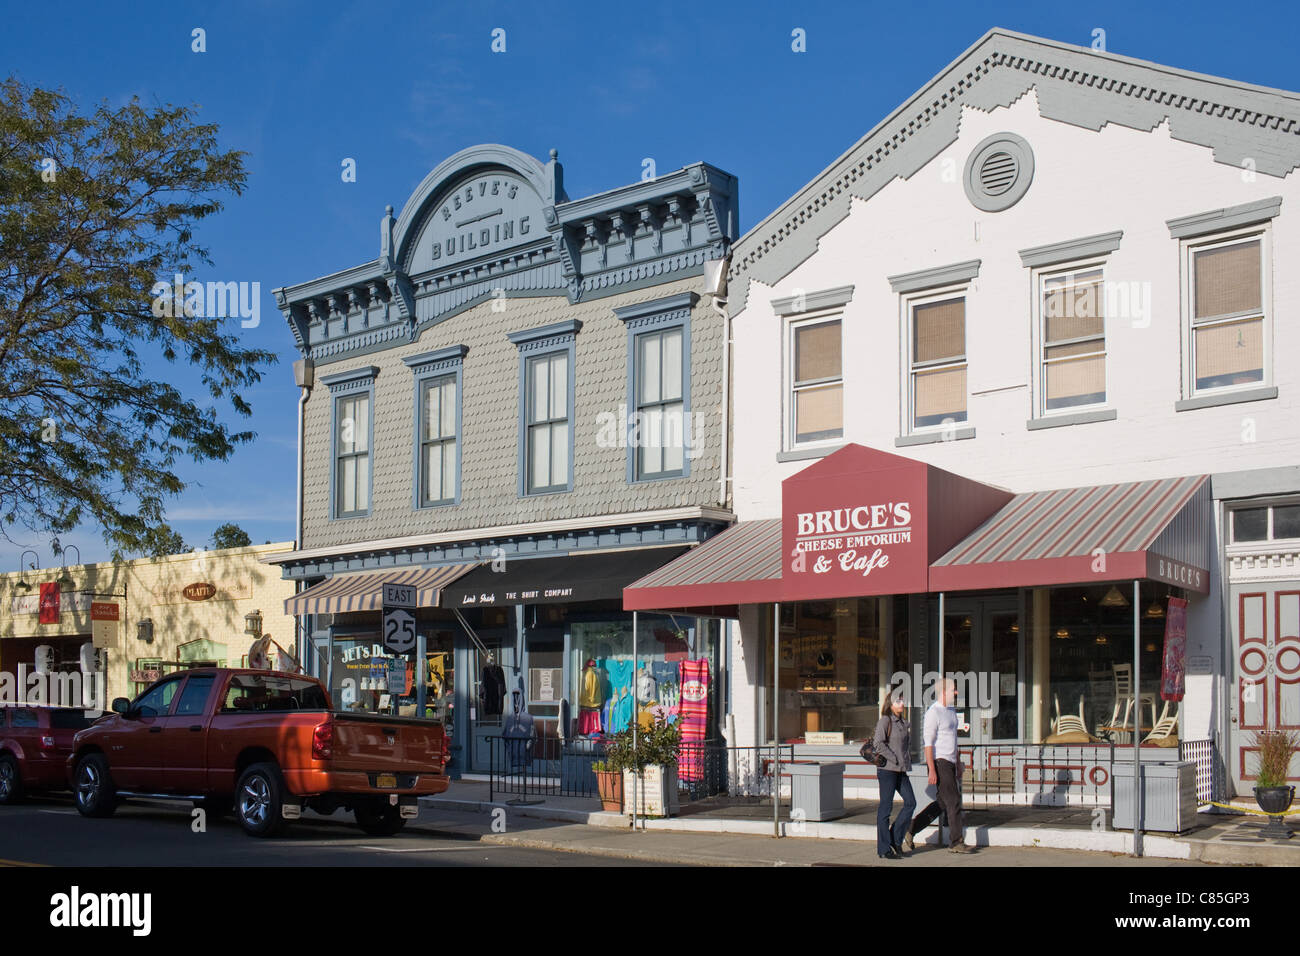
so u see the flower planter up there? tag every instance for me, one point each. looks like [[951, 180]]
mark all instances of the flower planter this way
[[656, 791], [609, 784], [1274, 799]]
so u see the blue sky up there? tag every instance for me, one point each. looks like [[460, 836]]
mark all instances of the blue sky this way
[[398, 87]]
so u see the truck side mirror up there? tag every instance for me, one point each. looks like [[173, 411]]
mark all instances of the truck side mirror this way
[[121, 705]]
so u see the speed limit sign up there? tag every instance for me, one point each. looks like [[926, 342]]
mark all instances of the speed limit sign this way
[[399, 618]]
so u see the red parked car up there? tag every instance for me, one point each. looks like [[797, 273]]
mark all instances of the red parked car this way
[[262, 743], [35, 743]]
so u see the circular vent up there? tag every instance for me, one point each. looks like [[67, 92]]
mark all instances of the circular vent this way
[[998, 172]]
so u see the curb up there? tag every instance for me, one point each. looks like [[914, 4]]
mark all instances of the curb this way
[[1108, 841]]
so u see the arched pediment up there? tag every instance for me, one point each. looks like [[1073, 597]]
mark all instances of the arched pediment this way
[[480, 200]]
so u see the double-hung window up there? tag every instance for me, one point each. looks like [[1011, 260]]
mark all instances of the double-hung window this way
[[1073, 324], [1226, 303], [351, 452], [660, 404], [438, 441], [660, 440], [1227, 312], [437, 425], [352, 448], [937, 373], [548, 423], [817, 380], [546, 407]]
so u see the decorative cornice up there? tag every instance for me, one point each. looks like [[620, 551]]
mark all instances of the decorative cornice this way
[[1074, 85], [1071, 250], [682, 301], [353, 380], [557, 333], [1230, 217], [934, 278], [439, 360], [813, 301]]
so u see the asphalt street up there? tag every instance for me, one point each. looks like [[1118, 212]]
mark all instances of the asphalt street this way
[[49, 831]]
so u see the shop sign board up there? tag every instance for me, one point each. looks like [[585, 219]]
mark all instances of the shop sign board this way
[[399, 618], [397, 675], [846, 532], [199, 591], [145, 675], [104, 617], [49, 603], [31, 603], [863, 522]]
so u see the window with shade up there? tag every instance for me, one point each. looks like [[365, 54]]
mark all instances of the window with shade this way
[[659, 404], [1073, 368], [938, 364], [352, 456], [438, 450], [547, 410], [1227, 313], [817, 382]]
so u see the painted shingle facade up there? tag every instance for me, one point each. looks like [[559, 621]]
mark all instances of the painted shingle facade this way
[[488, 249]]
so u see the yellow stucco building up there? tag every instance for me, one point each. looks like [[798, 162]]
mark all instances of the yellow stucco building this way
[[147, 617]]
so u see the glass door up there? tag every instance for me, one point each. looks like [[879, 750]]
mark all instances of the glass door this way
[[983, 652]]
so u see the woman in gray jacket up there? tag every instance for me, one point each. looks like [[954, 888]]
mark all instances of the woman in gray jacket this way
[[893, 742]]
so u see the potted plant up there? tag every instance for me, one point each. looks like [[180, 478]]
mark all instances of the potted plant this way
[[1272, 792], [650, 766], [609, 783]]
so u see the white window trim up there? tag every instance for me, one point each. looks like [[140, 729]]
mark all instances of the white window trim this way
[[1039, 336], [1250, 547], [791, 324], [1186, 249], [907, 303]]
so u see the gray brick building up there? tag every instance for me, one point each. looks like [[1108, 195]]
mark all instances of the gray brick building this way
[[518, 408]]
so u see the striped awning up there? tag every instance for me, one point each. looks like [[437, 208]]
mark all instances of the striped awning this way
[[742, 565], [1158, 529], [364, 591]]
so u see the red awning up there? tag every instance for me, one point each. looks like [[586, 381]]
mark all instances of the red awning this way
[[742, 565], [1157, 529]]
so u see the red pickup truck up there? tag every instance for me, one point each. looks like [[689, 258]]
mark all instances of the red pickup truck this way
[[261, 742], [34, 747]]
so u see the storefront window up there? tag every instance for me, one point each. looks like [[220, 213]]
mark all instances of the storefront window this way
[[833, 660], [678, 673], [367, 679], [1088, 640]]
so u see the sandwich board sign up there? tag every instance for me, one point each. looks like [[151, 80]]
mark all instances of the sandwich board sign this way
[[399, 618]]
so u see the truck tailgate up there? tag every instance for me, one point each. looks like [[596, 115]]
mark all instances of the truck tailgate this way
[[369, 743]]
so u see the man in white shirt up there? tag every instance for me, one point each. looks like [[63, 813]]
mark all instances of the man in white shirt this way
[[941, 757]]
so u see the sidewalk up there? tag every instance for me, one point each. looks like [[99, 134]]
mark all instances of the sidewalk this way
[[743, 835]]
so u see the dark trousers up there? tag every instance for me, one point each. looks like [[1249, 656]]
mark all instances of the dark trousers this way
[[891, 781], [948, 802]]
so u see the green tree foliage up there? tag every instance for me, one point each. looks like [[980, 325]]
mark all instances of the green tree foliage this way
[[94, 211], [230, 536]]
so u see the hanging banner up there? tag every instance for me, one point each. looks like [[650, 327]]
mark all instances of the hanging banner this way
[[694, 717], [1173, 678], [50, 603]]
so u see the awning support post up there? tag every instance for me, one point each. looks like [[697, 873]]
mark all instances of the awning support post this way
[[941, 674], [776, 718], [1137, 723], [636, 770]]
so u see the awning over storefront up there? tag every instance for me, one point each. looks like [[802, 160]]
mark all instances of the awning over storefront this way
[[364, 591], [742, 565], [1157, 529], [556, 580]]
